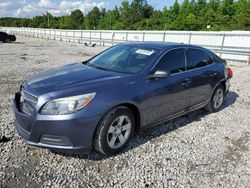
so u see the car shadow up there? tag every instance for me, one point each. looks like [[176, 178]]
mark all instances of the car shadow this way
[[12, 42], [156, 131]]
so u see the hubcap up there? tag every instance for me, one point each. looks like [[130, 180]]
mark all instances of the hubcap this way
[[119, 132], [218, 98]]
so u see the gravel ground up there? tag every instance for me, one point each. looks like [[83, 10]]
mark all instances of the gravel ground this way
[[197, 150]]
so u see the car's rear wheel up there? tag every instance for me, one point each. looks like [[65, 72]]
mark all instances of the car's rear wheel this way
[[216, 100], [114, 131]]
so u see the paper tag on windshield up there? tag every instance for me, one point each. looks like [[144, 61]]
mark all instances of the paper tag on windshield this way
[[144, 52]]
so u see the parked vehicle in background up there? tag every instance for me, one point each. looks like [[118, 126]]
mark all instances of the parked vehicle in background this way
[[100, 103], [5, 37]]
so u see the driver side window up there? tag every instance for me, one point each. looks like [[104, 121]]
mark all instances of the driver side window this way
[[173, 61]]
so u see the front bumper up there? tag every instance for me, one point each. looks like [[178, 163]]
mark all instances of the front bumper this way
[[67, 133]]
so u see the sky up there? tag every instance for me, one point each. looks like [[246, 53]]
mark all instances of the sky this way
[[30, 8]]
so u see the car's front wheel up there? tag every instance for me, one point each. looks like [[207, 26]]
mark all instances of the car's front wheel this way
[[216, 100], [7, 40], [114, 131]]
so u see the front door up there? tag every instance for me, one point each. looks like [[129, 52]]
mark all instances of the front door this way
[[167, 96]]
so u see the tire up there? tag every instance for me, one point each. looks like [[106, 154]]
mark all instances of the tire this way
[[7, 40], [114, 131], [12, 38], [216, 100]]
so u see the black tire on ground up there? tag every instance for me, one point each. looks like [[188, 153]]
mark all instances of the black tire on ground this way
[[109, 130], [217, 99], [12, 38], [7, 40]]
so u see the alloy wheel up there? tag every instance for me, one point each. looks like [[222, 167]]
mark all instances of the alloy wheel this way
[[218, 98], [119, 132]]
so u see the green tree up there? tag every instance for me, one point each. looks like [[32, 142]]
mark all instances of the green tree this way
[[211, 15], [226, 12], [76, 19], [242, 15], [125, 15], [109, 19], [93, 18]]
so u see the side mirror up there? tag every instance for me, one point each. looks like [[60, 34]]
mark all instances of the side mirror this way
[[159, 74]]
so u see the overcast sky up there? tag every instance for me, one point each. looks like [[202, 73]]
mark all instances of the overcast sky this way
[[30, 8]]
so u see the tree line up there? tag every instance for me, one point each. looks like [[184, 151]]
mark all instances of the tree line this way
[[192, 15]]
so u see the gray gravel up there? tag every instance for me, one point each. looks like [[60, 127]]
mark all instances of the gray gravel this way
[[198, 150]]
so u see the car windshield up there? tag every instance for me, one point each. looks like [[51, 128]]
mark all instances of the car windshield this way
[[124, 59]]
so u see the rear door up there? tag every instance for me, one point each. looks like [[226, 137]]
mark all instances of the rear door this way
[[168, 96], [199, 64]]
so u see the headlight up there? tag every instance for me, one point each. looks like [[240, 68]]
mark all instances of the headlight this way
[[67, 105]]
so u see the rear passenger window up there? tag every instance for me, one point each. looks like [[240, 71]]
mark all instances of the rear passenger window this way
[[173, 61], [197, 58]]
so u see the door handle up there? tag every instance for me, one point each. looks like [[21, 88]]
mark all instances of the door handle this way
[[186, 82], [213, 75]]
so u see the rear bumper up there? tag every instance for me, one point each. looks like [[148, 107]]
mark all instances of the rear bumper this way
[[227, 83], [72, 134]]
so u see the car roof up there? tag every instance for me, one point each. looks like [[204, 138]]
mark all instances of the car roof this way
[[160, 45]]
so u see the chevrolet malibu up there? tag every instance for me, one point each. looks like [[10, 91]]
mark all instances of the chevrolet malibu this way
[[102, 102]]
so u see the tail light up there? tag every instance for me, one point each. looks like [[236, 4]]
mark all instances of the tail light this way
[[229, 73]]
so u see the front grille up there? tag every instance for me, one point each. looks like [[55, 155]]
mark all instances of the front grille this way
[[27, 102]]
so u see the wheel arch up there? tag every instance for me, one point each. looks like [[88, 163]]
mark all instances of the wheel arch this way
[[133, 107], [128, 105], [221, 82]]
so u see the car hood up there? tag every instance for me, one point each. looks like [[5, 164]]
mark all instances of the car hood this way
[[71, 75]]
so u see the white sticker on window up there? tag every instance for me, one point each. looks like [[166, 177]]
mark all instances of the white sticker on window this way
[[145, 52]]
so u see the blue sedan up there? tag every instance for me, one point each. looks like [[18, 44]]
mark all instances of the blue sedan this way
[[101, 103]]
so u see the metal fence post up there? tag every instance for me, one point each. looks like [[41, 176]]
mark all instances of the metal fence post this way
[[222, 44], [126, 37], [164, 36], [80, 41], [189, 39], [90, 36], [143, 36], [112, 38], [74, 37], [100, 38]]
